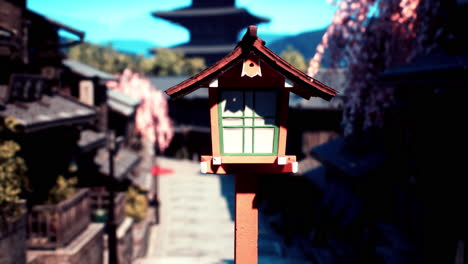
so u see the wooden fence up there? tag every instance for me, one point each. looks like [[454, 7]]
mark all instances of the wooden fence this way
[[99, 198], [54, 226]]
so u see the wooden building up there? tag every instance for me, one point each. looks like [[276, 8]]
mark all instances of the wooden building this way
[[401, 183], [429, 130], [47, 125], [116, 113], [395, 194], [88, 85]]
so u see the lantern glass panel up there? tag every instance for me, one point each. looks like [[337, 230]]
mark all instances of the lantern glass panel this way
[[248, 122], [248, 137], [263, 140], [265, 104], [233, 121], [232, 140]]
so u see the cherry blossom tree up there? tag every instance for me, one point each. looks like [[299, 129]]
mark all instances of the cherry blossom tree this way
[[368, 37], [152, 118]]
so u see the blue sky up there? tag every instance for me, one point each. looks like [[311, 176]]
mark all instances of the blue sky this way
[[104, 20]]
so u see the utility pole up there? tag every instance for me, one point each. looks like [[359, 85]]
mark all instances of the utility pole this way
[[111, 225]]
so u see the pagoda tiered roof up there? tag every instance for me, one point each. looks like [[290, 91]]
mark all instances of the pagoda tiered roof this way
[[213, 26], [188, 13]]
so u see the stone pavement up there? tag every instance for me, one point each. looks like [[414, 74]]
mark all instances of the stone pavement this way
[[196, 225], [197, 222]]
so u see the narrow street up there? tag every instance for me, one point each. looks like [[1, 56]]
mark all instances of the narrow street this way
[[197, 222], [196, 225]]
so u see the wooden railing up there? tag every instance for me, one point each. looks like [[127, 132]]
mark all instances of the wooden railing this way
[[99, 199], [54, 226]]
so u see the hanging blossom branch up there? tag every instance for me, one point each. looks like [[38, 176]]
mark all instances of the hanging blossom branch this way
[[152, 118], [342, 26], [368, 37]]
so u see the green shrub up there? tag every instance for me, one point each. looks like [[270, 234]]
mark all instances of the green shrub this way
[[62, 190], [136, 204], [13, 181]]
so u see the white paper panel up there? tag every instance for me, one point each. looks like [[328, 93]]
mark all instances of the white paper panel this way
[[248, 140], [264, 121], [232, 140], [232, 103], [86, 92], [232, 122], [265, 103], [248, 103], [248, 121], [263, 140]]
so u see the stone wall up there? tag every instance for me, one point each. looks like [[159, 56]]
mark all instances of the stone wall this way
[[13, 242], [86, 248], [141, 234], [125, 241]]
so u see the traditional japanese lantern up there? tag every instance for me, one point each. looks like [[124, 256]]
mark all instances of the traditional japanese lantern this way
[[249, 95]]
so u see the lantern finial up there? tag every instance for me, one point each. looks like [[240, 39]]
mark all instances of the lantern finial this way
[[252, 31]]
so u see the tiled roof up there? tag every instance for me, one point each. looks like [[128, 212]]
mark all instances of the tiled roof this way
[[188, 49], [338, 199], [34, 15], [124, 161], [121, 103], [305, 86], [335, 78], [163, 83], [87, 71], [50, 111], [438, 60], [144, 181], [90, 140], [438, 67], [206, 12], [337, 154]]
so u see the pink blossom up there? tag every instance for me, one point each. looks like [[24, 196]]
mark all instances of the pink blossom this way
[[369, 45], [152, 119]]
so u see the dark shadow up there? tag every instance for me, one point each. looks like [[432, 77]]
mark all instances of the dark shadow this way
[[191, 119], [263, 102], [228, 191], [266, 105], [328, 216], [234, 100]]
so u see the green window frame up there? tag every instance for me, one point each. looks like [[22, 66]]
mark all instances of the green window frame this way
[[252, 113]]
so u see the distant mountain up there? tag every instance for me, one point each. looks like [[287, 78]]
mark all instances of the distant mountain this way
[[131, 46], [305, 43], [269, 37]]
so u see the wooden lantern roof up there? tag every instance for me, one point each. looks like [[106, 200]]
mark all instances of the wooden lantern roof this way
[[303, 85]]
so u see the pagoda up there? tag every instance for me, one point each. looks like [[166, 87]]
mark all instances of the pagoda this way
[[214, 26]]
